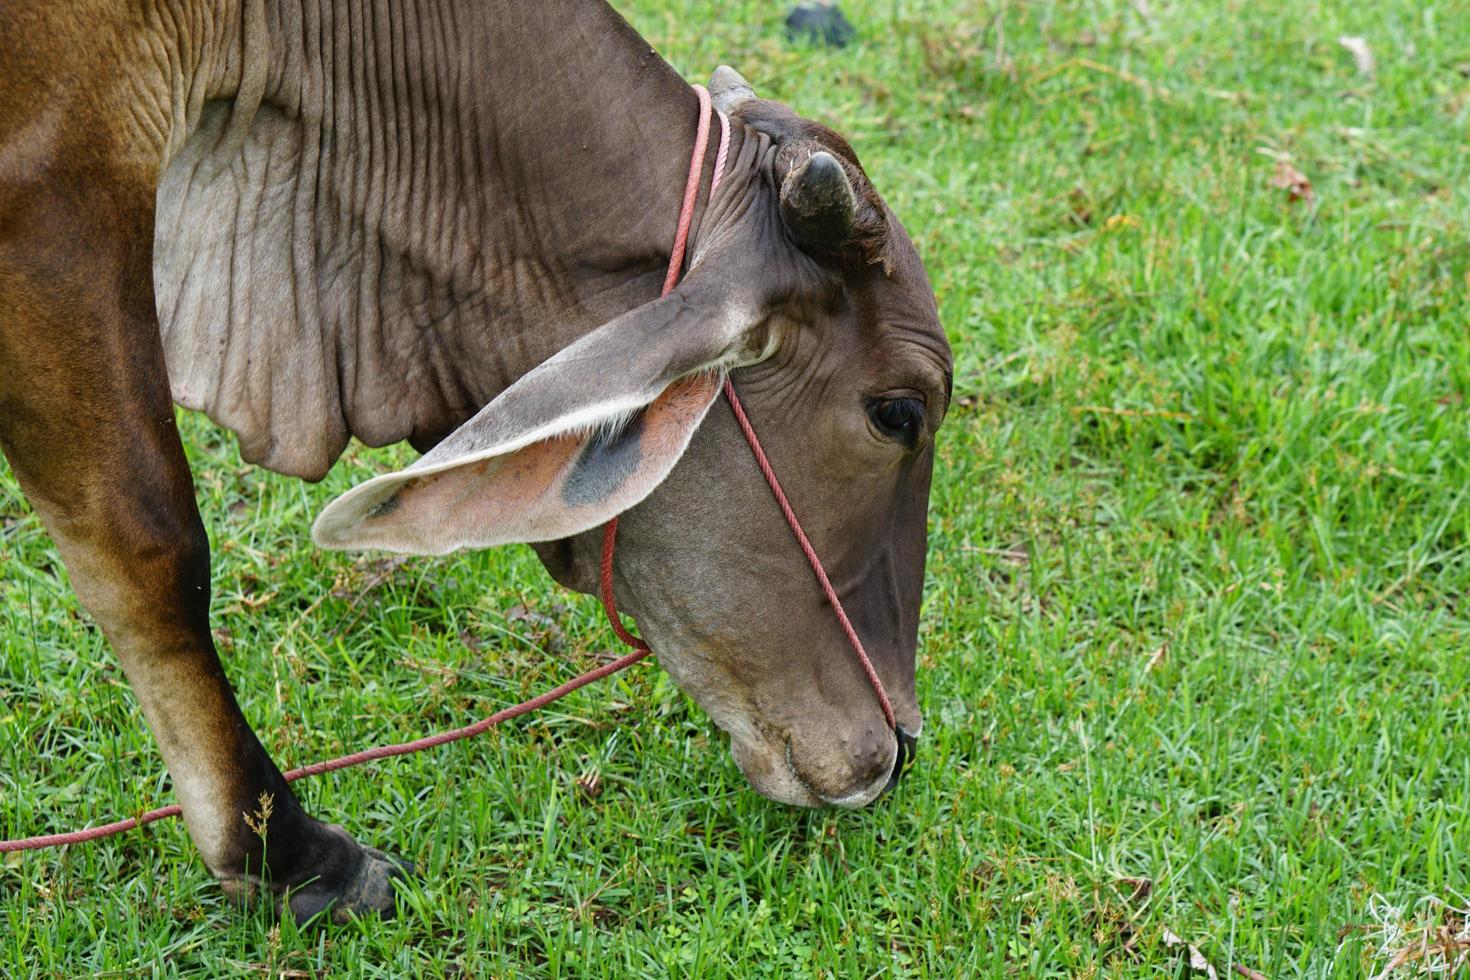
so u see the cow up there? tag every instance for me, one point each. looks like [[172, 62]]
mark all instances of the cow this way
[[448, 223]]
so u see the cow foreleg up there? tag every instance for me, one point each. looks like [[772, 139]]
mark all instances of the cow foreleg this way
[[87, 423]]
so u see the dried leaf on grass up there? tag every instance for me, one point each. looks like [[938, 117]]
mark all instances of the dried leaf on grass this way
[[1362, 54], [1136, 893], [590, 783], [1436, 944], [1197, 961], [1293, 181], [1157, 657], [1139, 889]]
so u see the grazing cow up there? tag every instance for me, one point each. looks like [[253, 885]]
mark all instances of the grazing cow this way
[[448, 223]]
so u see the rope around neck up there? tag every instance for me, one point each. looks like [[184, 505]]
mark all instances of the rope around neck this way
[[640, 649]]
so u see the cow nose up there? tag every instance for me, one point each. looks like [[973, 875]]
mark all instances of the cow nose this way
[[907, 745]]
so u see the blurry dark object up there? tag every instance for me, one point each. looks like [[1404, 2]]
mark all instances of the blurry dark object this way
[[819, 22]]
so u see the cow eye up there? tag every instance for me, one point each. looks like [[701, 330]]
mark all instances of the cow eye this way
[[901, 419]]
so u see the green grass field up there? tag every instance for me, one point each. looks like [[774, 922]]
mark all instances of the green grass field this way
[[1194, 637]]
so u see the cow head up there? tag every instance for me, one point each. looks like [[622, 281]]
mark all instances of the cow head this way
[[804, 287]]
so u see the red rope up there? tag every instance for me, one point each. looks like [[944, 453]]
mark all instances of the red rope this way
[[676, 265], [609, 539], [811, 553], [691, 190], [355, 759]]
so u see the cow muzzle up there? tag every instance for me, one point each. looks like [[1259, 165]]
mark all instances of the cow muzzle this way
[[849, 772]]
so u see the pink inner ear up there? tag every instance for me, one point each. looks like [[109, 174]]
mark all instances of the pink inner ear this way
[[549, 489]]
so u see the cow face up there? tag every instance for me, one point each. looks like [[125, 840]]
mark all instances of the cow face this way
[[807, 291]]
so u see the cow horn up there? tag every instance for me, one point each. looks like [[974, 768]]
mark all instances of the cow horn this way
[[727, 89], [818, 202]]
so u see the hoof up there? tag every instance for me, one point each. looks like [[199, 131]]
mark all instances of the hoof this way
[[365, 888], [347, 880]]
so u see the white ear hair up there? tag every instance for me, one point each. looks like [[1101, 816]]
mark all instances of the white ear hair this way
[[727, 89]]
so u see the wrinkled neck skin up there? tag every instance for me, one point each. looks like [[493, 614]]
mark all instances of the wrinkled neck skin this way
[[504, 176]]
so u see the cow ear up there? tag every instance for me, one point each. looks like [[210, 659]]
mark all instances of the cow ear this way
[[581, 438]]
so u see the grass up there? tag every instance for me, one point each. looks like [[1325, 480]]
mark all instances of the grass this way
[[1193, 645]]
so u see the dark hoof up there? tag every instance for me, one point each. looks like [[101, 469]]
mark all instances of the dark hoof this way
[[365, 888], [347, 880]]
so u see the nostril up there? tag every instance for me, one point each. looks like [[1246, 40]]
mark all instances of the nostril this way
[[907, 746]]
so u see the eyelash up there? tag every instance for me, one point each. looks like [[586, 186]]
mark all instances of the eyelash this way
[[900, 419]]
